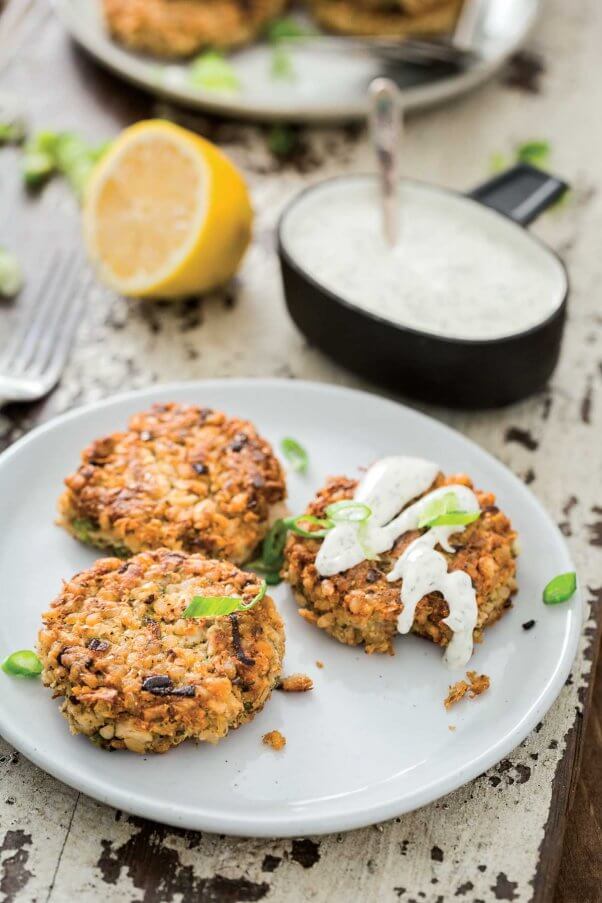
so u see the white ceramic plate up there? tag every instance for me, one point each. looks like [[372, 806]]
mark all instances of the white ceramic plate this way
[[372, 740], [325, 88]]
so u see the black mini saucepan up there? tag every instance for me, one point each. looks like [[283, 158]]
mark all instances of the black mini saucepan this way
[[452, 371]]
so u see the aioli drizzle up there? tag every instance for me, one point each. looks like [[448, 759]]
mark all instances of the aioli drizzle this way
[[387, 487]]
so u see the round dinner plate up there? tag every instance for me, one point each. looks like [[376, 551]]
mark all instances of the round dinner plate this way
[[324, 87], [372, 740]]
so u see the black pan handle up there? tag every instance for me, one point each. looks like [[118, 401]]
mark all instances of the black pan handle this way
[[521, 193]]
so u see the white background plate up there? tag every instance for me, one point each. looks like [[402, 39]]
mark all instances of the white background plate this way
[[372, 740], [325, 88]]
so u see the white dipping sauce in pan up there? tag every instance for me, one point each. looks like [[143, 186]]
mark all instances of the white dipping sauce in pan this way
[[459, 270]]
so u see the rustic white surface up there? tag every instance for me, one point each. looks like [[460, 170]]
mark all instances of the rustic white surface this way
[[481, 843]]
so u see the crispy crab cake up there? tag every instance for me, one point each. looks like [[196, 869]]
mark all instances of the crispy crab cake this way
[[417, 17], [136, 675], [181, 477], [361, 606], [175, 28]]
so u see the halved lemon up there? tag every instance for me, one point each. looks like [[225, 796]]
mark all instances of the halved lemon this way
[[166, 214]]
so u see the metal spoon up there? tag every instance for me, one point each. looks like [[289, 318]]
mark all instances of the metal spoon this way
[[386, 131]]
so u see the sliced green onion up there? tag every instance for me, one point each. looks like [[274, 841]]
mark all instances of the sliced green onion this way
[[560, 589], [12, 132], [369, 553], [282, 64], [444, 511], [295, 455], [212, 72], [534, 152], [292, 524], [282, 140], [215, 606], [348, 511], [65, 152], [24, 663], [286, 28], [273, 546], [11, 276], [455, 519]]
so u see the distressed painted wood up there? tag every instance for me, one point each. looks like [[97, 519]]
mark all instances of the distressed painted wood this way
[[498, 838]]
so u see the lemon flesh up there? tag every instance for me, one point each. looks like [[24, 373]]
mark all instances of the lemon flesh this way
[[166, 214]]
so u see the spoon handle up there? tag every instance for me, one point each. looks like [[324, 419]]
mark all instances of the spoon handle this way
[[385, 126]]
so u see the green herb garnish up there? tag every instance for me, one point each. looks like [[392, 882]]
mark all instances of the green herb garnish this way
[[286, 29], [292, 524], [348, 511], [48, 153], [216, 606], [444, 512], [295, 455], [24, 663], [211, 71], [11, 277], [534, 152], [560, 589], [12, 132], [282, 64], [82, 528], [282, 140], [272, 554]]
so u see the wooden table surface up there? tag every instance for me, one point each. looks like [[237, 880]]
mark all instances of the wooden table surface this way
[[500, 837]]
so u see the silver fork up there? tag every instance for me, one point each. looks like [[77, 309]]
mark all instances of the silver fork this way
[[37, 351]]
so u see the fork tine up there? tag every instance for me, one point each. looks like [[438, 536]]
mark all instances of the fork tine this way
[[65, 296], [31, 313], [63, 345], [44, 318]]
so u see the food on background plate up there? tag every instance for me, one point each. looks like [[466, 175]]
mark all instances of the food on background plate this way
[[173, 28], [404, 549], [137, 672], [387, 17], [181, 476], [166, 214]]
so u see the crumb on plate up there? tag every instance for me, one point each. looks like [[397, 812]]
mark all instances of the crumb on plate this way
[[478, 684], [296, 683], [319, 664], [274, 739]]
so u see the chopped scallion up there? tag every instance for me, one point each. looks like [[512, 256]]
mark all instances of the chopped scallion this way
[[24, 663], [11, 277], [560, 589], [295, 455], [444, 511], [211, 71], [216, 606], [292, 524], [348, 511]]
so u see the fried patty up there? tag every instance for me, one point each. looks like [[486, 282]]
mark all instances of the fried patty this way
[[136, 675], [417, 17], [181, 477], [361, 606], [175, 28]]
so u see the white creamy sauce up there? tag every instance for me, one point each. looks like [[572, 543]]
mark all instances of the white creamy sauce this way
[[387, 488], [459, 270]]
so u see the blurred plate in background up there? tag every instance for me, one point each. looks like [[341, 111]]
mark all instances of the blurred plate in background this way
[[325, 87]]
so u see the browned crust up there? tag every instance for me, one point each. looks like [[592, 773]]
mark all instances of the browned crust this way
[[416, 18], [477, 684], [296, 683], [175, 28], [118, 625], [274, 739], [182, 477], [361, 606]]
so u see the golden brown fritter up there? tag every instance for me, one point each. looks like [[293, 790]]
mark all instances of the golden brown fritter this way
[[135, 674], [184, 477], [375, 18], [361, 606], [174, 28]]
